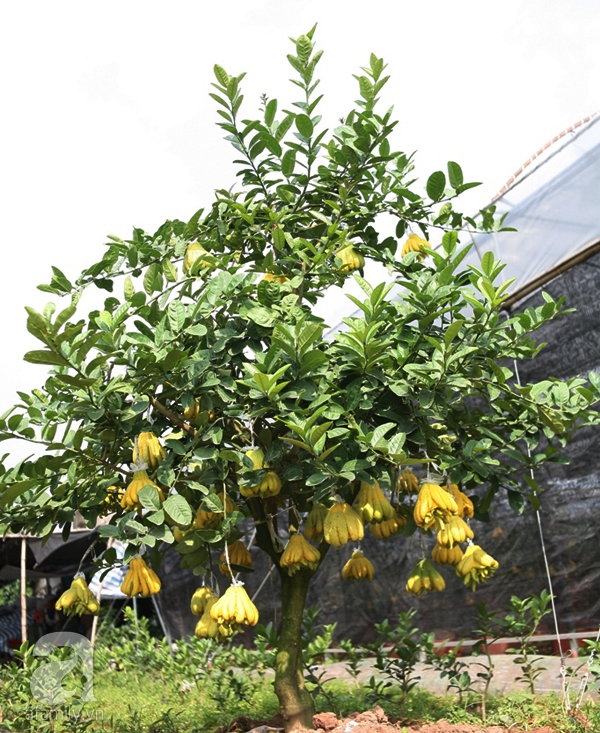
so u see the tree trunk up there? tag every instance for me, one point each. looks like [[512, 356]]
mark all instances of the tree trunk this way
[[295, 701]]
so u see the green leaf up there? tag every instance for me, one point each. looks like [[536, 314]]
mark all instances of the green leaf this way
[[304, 48], [516, 501], [278, 237], [173, 358], [270, 111], [60, 281], [170, 271], [128, 288], [36, 323], [395, 444], [178, 509], [284, 126], [64, 316], [436, 183], [14, 490], [366, 89], [191, 228], [190, 543], [151, 279], [231, 455], [198, 329], [288, 162], [307, 336], [487, 263], [272, 144], [449, 241], [268, 293], [452, 331], [261, 316], [312, 360], [176, 315], [455, 174], [316, 478], [222, 75], [318, 432], [45, 357], [262, 381], [304, 125], [213, 503], [149, 498], [380, 432], [79, 382], [156, 517]]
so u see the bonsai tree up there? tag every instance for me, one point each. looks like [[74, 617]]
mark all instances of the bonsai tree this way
[[206, 398]]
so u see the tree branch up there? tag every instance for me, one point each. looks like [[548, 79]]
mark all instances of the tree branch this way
[[172, 416]]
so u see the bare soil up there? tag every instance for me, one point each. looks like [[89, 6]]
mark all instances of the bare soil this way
[[371, 721], [376, 721]]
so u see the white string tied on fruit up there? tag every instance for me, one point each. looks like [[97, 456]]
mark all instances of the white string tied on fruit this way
[[250, 427], [149, 418], [226, 551], [139, 464]]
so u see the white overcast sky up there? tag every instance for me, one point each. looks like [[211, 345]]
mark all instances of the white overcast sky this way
[[107, 124]]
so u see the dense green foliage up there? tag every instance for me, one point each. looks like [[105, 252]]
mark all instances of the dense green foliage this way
[[421, 377]]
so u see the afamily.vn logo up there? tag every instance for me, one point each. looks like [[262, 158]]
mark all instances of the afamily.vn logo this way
[[70, 662]]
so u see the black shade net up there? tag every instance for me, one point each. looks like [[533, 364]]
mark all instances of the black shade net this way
[[570, 516]]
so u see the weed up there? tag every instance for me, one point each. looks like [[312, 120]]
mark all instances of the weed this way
[[522, 622], [397, 663], [488, 629]]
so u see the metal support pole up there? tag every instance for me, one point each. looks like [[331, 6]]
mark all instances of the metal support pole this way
[[162, 622], [260, 587], [137, 631], [95, 620], [99, 598], [23, 589]]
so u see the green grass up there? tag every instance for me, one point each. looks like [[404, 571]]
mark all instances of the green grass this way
[[194, 707]]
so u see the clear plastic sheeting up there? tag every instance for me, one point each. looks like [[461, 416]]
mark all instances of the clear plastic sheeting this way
[[554, 209]]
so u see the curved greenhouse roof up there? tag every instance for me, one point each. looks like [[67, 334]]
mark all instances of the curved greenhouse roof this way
[[553, 202]]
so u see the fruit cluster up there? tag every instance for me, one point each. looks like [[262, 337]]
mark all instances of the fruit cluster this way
[[271, 483], [221, 617], [78, 599], [441, 509]]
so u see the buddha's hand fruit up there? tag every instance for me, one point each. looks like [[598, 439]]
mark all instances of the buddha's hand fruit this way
[[342, 524], [140, 580]]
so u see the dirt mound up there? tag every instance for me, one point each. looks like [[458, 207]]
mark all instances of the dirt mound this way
[[376, 721], [371, 721]]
